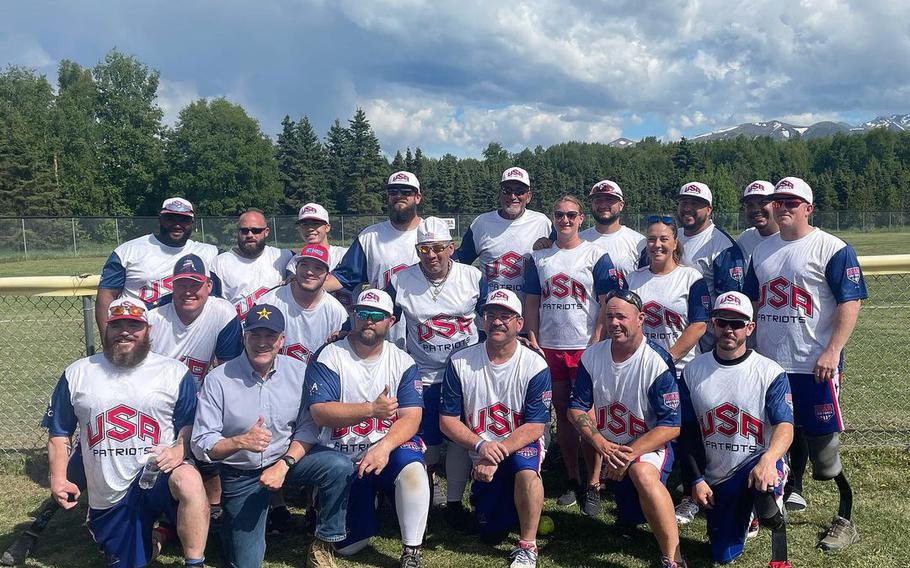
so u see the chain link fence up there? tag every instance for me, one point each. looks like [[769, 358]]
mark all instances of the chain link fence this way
[[40, 336], [36, 238]]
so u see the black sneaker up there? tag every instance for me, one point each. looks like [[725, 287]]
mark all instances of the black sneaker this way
[[410, 557], [279, 520], [570, 497], [590, 502]]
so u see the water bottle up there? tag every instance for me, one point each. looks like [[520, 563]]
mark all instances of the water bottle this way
[[150, 470]]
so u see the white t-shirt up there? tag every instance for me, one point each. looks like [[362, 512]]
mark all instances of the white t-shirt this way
[[624, 246], [305, 331], [245, 280]]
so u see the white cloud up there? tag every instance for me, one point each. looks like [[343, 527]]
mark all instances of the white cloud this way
[[26, 50], [173, 96]]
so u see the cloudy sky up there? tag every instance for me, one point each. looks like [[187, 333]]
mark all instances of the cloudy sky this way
[[451, 76]]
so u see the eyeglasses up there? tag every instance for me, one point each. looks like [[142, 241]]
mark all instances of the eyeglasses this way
[[626, 296], [665, 219], [405, 191], [571, 215], [254, 230], [437, 248], [503, 317], [372, 315], [519, 191], [788, 203], [128, 309], [732, 324]]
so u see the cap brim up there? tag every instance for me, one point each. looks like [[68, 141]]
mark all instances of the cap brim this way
[[372, 307], [604, 194], [184, 213], [503, 305], [311, 218], [256, 325], [127, 317], [299, 258], [731, 315], [190, 276], [777, 194]]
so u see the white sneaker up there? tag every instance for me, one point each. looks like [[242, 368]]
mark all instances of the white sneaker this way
[[795, 502], [523, 557], [686, 511]]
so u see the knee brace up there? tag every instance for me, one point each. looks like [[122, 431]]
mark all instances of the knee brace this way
[[824, 452]]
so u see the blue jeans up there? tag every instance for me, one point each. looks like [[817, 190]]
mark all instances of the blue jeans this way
[[246, 503]]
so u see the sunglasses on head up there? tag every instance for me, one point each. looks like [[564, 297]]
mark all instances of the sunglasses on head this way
[[437, 248], [788, 203], [519, 191], [123, 310], [372, 315], [405, 191], [665, 219], [732, 324], [571, 215], [254, 230], [626, 296]]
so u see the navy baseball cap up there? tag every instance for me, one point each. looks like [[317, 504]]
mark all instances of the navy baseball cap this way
[[265, 316], [192, 267]]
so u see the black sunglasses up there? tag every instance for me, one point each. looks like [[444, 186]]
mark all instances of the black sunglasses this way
[[732, 324], [513, 190], [405, 191], [665, 219], [572, 215], [254, 230], [626, 296]]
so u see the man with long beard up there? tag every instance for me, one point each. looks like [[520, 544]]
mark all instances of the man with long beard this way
[[134, 406]]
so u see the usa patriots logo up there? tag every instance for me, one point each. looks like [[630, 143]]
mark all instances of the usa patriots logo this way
[[854, 274], [309, 209], [498, 295], [706, 302], [371, 296], [824, 412], [527, 452], [784, 183], [187, 264], [737, 274], [788, 400], [546, 397], [692, 188], [401, 176], [514, 173], [671, 400], [418, 386]]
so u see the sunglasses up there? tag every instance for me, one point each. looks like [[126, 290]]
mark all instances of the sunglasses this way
[[732, 324], [788, 203], [519, 191], [571, 215], [437, 248], [396, 191], [503, 317], [665, 219], [625, 295], [254, 230], [123, 310], [372, 315]]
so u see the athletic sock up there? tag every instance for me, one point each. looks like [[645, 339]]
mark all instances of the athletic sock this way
[[799, 458], [845, 509], [412, 501]]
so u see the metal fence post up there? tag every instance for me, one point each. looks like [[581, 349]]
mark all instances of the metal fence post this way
[[75, 254], [202, 227], [342, 230], [88, 319], [275, 230], [24, 243], [117, 229]]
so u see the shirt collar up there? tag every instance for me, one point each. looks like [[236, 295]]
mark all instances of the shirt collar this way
[[252, 374]]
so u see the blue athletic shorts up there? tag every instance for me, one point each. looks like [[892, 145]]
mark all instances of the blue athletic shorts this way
[[429, 423], [124, 531], [361, 517], [816, 406], [494, 501], [628, 505]]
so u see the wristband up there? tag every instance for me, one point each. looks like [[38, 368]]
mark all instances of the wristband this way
[[478, 444]]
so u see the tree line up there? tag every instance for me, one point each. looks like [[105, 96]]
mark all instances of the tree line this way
[[96, 146]]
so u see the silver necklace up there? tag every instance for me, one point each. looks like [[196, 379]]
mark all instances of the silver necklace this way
[[437, 284]]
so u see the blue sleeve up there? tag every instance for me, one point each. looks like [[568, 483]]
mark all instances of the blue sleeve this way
[[778, 402], [466, 252], [60, 418], [216, 285], [750, 286], [322, 384], [408, 395], [185, 409], [452, 401], [686, 408], [582, 397], [845, 277], [482, 299], [664, 398], [698, 292], [230, 341], [665, 355], [393, 293], [352, 270], [643, 259], [537, 399], [729, 268], [113, 274], [552, 235], [532, 280], [606, 277]]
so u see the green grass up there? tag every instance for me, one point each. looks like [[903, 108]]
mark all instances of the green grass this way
[[882, 515]]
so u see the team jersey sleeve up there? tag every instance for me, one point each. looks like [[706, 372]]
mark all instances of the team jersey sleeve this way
[[552, 235], [750, 286], [466, 253], [352, 270], [322, 384], [582, 397], [728, 270], [691, 450], [113, 273], [452, 401], [686, 409], [60, 418], [697, 310], [778, 401], [216, 285], [663, 396], [185, 408], [209, 422], [845, 277], [537, 399], [230, 340], [606, 277], [393, 293], [408, 395], [532, 280]]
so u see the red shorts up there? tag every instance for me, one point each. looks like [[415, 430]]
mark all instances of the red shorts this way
[[563, 363]]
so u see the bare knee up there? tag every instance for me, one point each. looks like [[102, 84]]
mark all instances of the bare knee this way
[[186, 484], [645, 478]]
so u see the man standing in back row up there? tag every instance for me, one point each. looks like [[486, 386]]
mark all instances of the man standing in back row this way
[[808, 286], [622, 243], [757, 205]]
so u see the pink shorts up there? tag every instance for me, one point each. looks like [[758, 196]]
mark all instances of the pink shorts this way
[[563, 363]]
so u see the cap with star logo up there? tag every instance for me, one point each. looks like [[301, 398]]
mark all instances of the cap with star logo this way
[[264, 316]]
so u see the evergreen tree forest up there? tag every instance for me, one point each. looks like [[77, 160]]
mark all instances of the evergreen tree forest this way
[[95, 145]]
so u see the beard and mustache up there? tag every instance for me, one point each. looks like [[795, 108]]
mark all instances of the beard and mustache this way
[[129, 359]]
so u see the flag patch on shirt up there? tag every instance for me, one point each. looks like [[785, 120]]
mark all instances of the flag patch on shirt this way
[[853, 274], [736, 273], [418, 386], [546, 397], [671, 400], [824, 412]]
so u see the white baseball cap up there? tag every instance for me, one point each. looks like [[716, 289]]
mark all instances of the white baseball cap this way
[[504, 298], [433, 230], [516, 174], [177, 206], [126, 308], [606, 187], [733, 302], [375, 298], [404, 179], [793, 186], [758, 188], [313, 211], [696, 189]]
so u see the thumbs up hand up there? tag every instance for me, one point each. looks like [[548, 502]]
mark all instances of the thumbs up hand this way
[[257, 438], [384, 407]]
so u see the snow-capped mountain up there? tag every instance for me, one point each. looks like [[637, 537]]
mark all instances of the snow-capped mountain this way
[[622, 143], [778, 130]]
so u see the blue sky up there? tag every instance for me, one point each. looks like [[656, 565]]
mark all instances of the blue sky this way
[[452, 76]]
